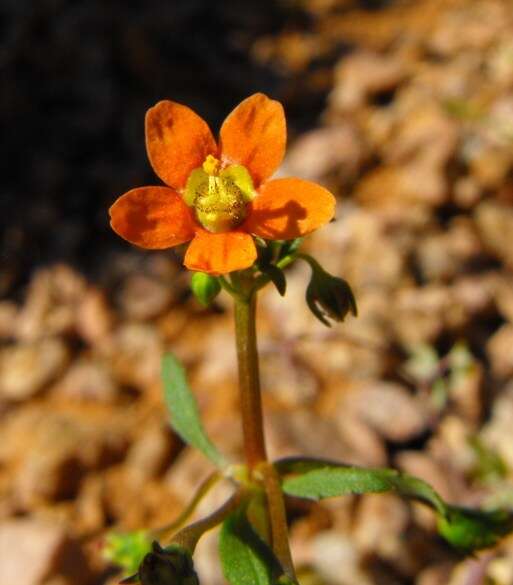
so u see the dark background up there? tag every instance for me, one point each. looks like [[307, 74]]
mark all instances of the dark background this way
[[77, 78]]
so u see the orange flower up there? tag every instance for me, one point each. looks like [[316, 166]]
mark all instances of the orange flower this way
[[218, 196]]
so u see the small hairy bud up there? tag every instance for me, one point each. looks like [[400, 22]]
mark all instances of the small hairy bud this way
[[167, 566], [328, 296], [205, 287]]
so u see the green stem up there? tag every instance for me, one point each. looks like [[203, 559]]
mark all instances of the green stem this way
[[169, 530], [227, 286], [252, 425], [249, 380], [188, 537], [278, 517]]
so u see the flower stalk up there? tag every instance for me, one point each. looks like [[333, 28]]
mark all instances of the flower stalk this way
[[189, 536], [253, 428], [249, 380]]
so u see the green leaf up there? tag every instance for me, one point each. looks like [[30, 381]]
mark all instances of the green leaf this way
[[183, 409], [127, 549], [245, 558], [470, 530], [465, 529], [327, 480]]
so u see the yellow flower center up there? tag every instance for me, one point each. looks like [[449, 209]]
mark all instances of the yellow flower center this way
[[219, 197]]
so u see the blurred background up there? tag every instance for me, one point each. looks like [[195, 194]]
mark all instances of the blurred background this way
[[404, 109]]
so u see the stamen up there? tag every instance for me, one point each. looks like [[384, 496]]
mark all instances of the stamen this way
[[219, 197]]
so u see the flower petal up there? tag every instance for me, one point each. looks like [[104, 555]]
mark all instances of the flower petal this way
[[177, 141], [220, 253], [288, 208], [152, 217], [254, 135]]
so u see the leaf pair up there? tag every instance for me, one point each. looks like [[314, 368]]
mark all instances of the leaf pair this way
[[317, 479], [248, 560]]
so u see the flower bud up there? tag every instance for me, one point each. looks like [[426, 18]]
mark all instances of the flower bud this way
[[327, 296], [167, 566], [205, 287]]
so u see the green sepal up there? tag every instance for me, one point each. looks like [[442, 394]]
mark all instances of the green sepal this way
[[205, 287], [171, 565], [265, 253], [245, 558], [277, 277], [183, 410], [290, 246]]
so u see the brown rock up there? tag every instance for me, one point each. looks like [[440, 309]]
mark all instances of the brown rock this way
[[50, 307], [34, 552], [421, 314], [143, 297], [399, 186], [495, 225], [504, 296], [435, 575], [336, 558], [325, 150], [490, 166], [388, 408], [475, 293], [363, 441], [467, 192], [94, 319], [286, 376], [90, 514], [499, 350], [49, 449], [481, 23], [28, 368], [8, 316], [380, 525], [426, 134], [135, 351], [140, 506], [88, 379], [149, 455], [498, 432], [307, 434], [363, 75], [442, 256], [426, 468]]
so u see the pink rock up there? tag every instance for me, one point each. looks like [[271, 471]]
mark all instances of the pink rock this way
[[33, 552]]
